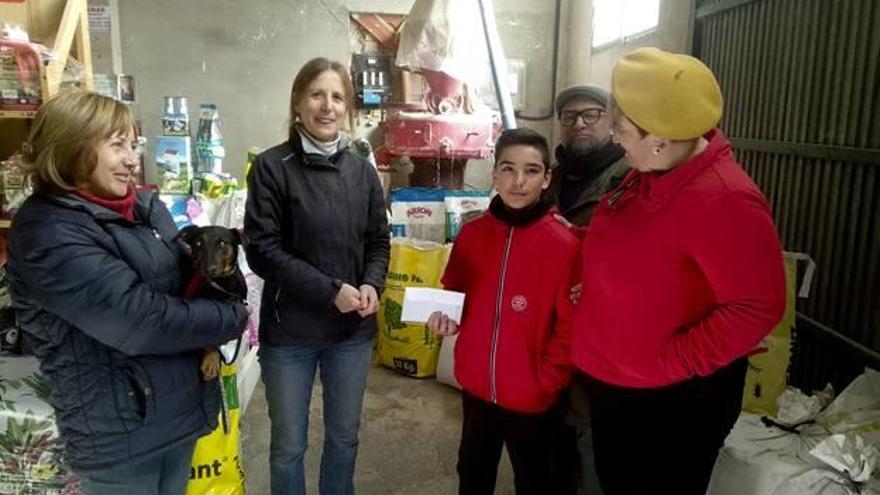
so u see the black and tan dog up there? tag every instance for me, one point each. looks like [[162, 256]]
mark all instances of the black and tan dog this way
[[214, 254]]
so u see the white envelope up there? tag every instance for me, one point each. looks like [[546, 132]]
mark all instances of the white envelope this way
[[420, 302]]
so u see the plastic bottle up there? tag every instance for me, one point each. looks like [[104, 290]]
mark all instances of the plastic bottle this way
[[175, 122], [209, 141]]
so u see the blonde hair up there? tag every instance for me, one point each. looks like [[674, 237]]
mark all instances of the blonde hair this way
[[61, 149], [308, 73]]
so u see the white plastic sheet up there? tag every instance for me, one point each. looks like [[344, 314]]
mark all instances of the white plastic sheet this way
[[796, 407], [825, 482], [848, 454], [445, 36], [857, 408], [851, 462]]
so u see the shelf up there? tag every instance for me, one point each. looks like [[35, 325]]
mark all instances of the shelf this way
[[62, 25], [17, 114]]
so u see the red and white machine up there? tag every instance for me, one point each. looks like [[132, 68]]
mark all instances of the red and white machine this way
[[443, 131]]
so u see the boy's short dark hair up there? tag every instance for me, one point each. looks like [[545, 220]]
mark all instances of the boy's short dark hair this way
[[525, 137]]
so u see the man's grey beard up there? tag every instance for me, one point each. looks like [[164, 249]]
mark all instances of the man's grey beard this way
[[583, 146]]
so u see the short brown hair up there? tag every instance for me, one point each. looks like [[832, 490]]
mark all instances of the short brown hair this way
[[525, 137], [308, 73], [61, 148]]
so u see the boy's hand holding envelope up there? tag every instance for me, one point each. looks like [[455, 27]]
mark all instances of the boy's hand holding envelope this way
[[442, 324], [440, 310]]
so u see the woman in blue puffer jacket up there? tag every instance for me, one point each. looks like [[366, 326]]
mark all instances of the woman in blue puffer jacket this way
[[97, 280]]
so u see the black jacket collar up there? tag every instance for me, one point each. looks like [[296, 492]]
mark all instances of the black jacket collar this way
[[520, 217], [313, 159]]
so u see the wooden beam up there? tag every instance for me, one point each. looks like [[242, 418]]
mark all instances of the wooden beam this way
[[67, 30], [73, 28], [383, 27], [84, 46]]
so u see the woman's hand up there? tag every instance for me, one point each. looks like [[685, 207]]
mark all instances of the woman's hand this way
[[348, 299], [210, 364], [579, 232], [369, 300], [441, 324], [563, 221]]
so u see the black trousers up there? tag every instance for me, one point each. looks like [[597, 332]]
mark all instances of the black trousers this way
[[566, 457], [529, 440], [663, 440]]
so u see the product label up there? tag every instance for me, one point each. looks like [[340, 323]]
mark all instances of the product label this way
[[408, 366], [173, 126], [419, 212]]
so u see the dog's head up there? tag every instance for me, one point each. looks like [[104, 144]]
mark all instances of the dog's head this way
[[214, 249]]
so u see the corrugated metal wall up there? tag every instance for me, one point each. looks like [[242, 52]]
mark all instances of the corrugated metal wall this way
[[802, 107]]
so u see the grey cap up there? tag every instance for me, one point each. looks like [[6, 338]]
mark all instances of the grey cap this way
[[595, 93]]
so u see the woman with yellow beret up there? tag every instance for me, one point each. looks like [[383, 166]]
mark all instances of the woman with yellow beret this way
[[682, 279]]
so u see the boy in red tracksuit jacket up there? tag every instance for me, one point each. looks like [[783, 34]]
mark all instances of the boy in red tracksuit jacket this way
[[516, 264]]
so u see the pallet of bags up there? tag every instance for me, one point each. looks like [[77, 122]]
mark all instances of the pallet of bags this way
[[773, 456]]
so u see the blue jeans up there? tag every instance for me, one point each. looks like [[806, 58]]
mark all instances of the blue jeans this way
[[288, 373], [164, 474]]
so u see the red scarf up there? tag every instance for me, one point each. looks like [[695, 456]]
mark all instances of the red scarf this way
[[194, 286], [124, 206]]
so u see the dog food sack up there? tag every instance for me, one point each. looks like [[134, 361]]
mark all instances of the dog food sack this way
[[766, 377], [409, 348], [216, 468], [463, 206], [419, 213]]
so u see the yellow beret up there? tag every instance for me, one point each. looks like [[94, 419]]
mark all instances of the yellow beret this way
[[670, 95]]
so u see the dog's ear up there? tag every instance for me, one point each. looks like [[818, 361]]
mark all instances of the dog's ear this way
[[187, 234], [238, 237]]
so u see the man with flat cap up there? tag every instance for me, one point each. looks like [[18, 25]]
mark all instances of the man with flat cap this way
[[588, 165]]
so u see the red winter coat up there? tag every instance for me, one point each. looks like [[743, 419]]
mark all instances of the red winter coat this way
[[683, 273], [513, 346]]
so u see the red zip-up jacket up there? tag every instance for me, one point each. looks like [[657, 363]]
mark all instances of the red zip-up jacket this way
[[513, 347], [682, 274]]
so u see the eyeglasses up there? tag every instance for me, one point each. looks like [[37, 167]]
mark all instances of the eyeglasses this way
[[590, 116]]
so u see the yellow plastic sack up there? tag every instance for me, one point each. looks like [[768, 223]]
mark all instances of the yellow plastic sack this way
[[766, 376], [411, 349], [216, 468]]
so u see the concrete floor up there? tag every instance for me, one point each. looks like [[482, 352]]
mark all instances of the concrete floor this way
[[408, 445]]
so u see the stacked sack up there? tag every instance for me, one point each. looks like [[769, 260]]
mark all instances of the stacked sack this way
[[813, 446], [409, 348], [432, 214], [422, 221], [768, 368]]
